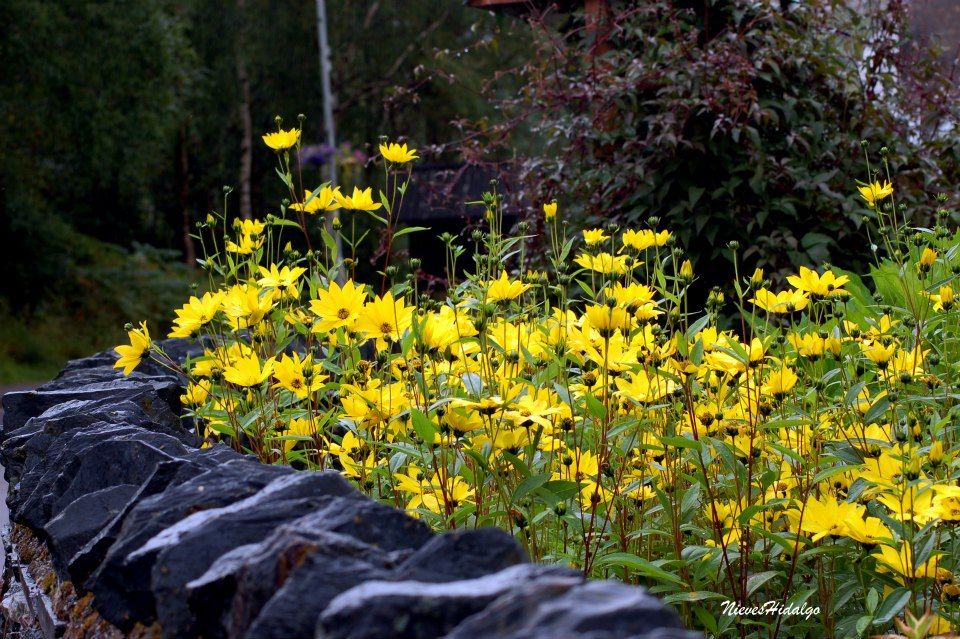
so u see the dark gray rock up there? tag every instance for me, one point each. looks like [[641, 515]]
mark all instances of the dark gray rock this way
[[121, 583], [371, 522], [97, 462], [327, 573], [594, 610], [379, 538], [23, 446], [92, 552], [461, 554], [188, 548], [19, 407], [418, 610], [76, 524], [234, 591]]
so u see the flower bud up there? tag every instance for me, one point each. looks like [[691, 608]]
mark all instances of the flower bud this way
[[686, 271], [550, 210]]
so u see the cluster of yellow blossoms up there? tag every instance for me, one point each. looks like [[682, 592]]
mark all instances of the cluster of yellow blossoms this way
[[809, 454]]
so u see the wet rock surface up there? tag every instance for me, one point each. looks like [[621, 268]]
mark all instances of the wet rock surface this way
[[153, 536]]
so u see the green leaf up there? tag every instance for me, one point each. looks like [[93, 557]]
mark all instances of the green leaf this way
[[694, 595], [640, 565], [408, 230], [562, 489], [877, 410], [893, 604], [528, 485], [760, 578], [423, 426]]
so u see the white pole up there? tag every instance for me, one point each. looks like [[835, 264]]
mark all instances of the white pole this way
[[324, 45]]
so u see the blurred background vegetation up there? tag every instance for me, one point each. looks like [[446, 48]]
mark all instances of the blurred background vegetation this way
[[123, 120]]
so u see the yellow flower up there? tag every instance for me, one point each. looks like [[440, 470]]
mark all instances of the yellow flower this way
[[780, 382], [247, 371], [784, 302], [946, 503], [644, 388], [594, 236], [252, 227], [504, 289], [130, 355], [385, 318], [338, 306], [927, 258], [324, 200], [813, 345], [358, 201], [880, 354], [195, 313], [604, 263], [299, 429], [550, 210], [281, 279], [943, 301], [824, 517], [826, 285], [280, 140], [686, 271], [903, 564], [645, 238], [874, 192], [197, 393], [397, 153], [248, 244], [607, 320], [245, 305], [291, 373]]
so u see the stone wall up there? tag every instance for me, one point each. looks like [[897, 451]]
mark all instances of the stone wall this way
[[124, 527]]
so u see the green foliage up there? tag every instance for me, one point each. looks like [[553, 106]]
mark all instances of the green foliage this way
[[120, 120], [733, 120]]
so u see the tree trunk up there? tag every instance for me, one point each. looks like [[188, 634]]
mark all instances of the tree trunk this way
[[246, 122]]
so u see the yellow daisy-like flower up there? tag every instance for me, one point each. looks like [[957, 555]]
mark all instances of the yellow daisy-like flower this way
[[592, 237], [197, 393], [284, 279], [338, 307], [604, 263], [247, 371], [248, 244], [195, 313], [643, 388], [358, 200], [874, 192], [826, 285], [645, 238], [505, 289], [324, 200], [296, 430], [252, 227], [280, 140], [780, 303], [927, 259], [550, 210], [943, 301], [398, 153], [385, 318], [780, 382], [292, 373], [131, 354]]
